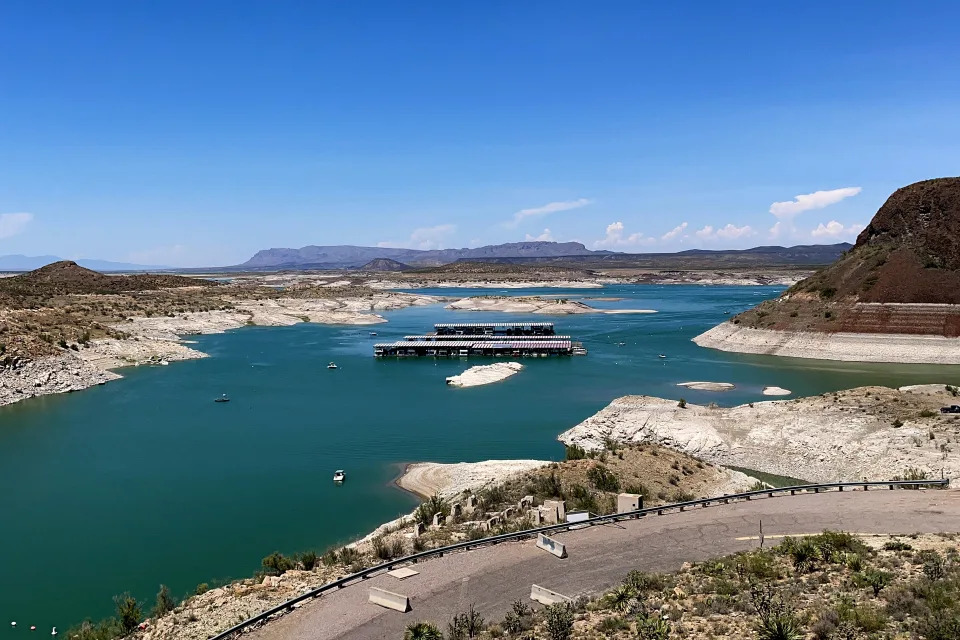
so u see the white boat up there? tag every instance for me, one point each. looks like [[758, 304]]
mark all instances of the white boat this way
[[373, 333], [661, 356], [332, 366], [339, 476]]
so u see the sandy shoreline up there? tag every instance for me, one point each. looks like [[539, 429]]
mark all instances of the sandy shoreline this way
[[853, 347], [426, 479], [534, 304]]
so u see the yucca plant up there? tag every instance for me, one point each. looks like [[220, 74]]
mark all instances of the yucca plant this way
[[422, 631]]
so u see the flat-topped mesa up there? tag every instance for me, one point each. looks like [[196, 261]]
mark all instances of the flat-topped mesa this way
[[900, 280]]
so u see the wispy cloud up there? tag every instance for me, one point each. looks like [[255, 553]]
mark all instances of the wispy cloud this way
[[834, 229], [425, 238], [13, 223], [547, 209], [808, 201], [615, 238], [546, 236], [675, 232]]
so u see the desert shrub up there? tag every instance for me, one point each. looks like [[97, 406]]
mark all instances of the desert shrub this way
[[642, 582], [682, 496], [276, 564], [164, 603], [419, 544], [897, 545], [104, 630], [547, 485], [519, 619], [940, 625], [581, 498], [612, 625], [619, 599], [422, 631], [575, 452], [876, 580], [465, 625], [425, 512], [603, 479], [349, 555], [933, 565], [491, 497], [897, 423], [682, 404], [558, 621], [927, 413], [201, 589], [652, 627], [129, 612], [308, 560], [757, 564]]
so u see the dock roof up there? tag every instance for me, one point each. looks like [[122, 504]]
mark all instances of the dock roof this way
[[446, 339], [483, 344], [491, 325]]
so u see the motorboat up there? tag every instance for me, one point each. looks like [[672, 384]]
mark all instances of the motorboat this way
[[222, 398], [373, 333], [332, 365], [339, 476], [661, 356]]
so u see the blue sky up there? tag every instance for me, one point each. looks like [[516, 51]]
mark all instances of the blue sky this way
[[195, 133]]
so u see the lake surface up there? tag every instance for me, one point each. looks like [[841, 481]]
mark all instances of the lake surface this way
[[146, 480]]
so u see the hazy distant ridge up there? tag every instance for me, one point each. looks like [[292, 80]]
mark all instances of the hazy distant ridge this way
[[353, 256]]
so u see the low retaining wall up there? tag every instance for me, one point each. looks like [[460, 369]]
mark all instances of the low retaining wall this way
[[389, 599]]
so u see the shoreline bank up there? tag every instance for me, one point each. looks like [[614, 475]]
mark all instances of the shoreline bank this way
[[160, 340], [849, 347]]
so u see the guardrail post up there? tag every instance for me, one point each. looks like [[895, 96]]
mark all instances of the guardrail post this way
[[816, 489], [659, 512], [841, 487]]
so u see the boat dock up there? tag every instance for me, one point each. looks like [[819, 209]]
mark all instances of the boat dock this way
[[500, 339]]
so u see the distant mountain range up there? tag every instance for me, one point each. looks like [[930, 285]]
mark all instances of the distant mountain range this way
[[348, 256], [571, 253], [29, 263]]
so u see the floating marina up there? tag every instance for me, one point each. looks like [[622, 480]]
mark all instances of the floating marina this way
[[497, 339]]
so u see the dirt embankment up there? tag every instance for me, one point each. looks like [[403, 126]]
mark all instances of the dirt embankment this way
[[869, 432]]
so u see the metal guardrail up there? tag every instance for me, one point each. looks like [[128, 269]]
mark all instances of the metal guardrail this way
[[530, 533]]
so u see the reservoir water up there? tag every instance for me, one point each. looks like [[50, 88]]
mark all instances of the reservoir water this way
[[146, 480]]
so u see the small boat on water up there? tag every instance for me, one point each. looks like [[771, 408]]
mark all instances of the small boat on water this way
[[661, 356], [339, 476], [332, 365], [222, 398], [373, 333]]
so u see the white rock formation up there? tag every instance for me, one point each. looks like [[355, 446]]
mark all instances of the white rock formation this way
[[485, 374]]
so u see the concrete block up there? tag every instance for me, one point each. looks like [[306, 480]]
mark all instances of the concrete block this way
[[535, 516], [449, 520], [629, 502], [508, 512], [526, 502], [560, 506], [456, 509], [389, 599], [546, 596], [551, 546], [471, 504], [418, 529], [548, 515], [438, 520], [493, 522]]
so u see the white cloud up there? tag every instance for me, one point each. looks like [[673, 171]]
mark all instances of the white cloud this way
[[777, 229], [546, 236], [547, 209], [13, 223], [425, 238], [834, 229], [728, 232], [616, 238], [673, 233], [815, 200]]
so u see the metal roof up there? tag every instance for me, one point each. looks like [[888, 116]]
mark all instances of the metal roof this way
[[492, 325], [540, 344], [447, 338]]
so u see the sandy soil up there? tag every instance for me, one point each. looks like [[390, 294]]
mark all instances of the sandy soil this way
[[427, 479], [858, 347], [485, 374], [869, 432]]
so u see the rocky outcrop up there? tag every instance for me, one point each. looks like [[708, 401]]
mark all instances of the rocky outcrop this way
[[485, 374], [64, 373], [870, 432]]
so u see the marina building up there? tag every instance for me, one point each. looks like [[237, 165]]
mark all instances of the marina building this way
[[499, 339]]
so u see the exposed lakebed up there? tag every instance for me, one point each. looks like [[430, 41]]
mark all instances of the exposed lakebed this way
[[146, 480]]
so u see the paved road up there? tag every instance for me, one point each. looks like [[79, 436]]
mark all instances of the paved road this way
[[491, 578]]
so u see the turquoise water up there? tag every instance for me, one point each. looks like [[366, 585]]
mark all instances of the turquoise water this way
[[146, 480]]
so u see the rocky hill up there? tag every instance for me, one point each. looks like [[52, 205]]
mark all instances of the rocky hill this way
[[908, 254], [384, 264], [67, 277]]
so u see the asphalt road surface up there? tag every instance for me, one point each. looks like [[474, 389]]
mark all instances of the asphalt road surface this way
[[491, 578]]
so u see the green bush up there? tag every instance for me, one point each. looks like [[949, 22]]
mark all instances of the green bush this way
[[558, 620], [425, 512], [927, 413], [276, 564], [682, 404], [575, 452], [129, 612], [308, 560], [422, 631], [652, 628], [603, 479], [164, 603], [465, 625]]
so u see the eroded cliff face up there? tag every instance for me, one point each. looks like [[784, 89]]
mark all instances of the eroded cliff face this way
[[869, 432]]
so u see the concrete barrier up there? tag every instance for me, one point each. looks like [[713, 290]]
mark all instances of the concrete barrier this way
[[546, 596], [551, 546], [389, 600]]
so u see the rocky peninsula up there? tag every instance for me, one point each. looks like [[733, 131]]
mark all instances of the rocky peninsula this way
[[868, 432]]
